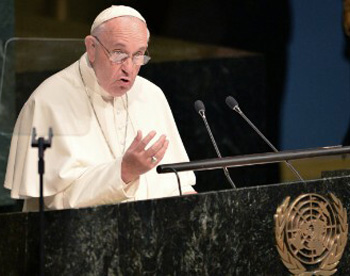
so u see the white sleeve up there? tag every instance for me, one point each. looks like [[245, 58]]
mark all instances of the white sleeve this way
[[101, 184], [77, 173]]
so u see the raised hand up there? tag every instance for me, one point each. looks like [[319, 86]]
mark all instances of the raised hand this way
[[138, 160]]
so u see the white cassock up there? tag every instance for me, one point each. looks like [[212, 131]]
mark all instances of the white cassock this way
[[91, 131]]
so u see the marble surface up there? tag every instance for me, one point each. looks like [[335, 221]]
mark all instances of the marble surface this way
[[335, 173], [217, 233]]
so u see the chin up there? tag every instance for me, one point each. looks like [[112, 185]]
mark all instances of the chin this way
[[118, 92]]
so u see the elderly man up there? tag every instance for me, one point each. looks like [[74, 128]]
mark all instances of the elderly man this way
[[114, 126]]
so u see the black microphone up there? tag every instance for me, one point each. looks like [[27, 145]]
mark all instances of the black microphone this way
[[200, 109], [233, 104]]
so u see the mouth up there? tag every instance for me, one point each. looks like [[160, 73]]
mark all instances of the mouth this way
[[124, 80]]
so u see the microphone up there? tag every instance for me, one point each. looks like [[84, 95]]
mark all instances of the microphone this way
[[200, 109], [233, 104]]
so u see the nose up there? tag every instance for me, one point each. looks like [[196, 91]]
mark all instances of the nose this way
[[127, 65]]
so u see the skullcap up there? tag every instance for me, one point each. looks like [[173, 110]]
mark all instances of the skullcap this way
[[113, 12]]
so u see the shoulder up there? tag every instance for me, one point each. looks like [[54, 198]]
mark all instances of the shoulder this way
[[60, 86], [148, 98], [141, 81], [62, 93], [146, 89]]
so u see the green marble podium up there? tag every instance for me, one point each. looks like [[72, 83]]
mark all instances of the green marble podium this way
[[229, 232]]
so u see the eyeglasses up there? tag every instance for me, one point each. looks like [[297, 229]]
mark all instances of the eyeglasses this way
[[118, 57]]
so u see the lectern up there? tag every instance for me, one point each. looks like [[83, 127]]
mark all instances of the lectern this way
[[230, 232]]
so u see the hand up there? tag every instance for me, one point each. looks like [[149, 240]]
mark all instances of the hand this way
[[137, 160]]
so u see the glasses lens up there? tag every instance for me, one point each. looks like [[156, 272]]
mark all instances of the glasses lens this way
[[141, 60], [118, 57]]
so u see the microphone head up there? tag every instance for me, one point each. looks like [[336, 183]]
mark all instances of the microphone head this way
[[231, 102], [199, 106]]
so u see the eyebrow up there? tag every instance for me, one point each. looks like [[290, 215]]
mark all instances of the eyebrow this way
[[122, 45]]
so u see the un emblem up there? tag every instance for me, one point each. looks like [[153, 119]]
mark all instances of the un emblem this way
[[311, 234]]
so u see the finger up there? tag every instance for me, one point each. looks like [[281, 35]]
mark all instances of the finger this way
[[144, 142], [136, 140], [156, 146], [161, 152]]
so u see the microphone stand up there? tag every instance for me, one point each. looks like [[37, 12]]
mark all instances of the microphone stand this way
[[42, 144], [199, 106], [290, 166], [226, 172], [233, 104]]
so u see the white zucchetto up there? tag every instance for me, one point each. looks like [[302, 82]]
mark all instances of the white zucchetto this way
[[113, 12]]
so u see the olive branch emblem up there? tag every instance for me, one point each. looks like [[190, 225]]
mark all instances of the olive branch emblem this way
[[311, 234]]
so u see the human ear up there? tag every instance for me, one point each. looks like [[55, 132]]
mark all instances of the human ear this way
[[90, 46]]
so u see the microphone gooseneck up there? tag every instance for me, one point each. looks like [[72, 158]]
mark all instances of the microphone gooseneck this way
[[200, 109], [233, 104]]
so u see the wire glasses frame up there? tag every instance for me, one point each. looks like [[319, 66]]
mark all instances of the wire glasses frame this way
[[119, 57]]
